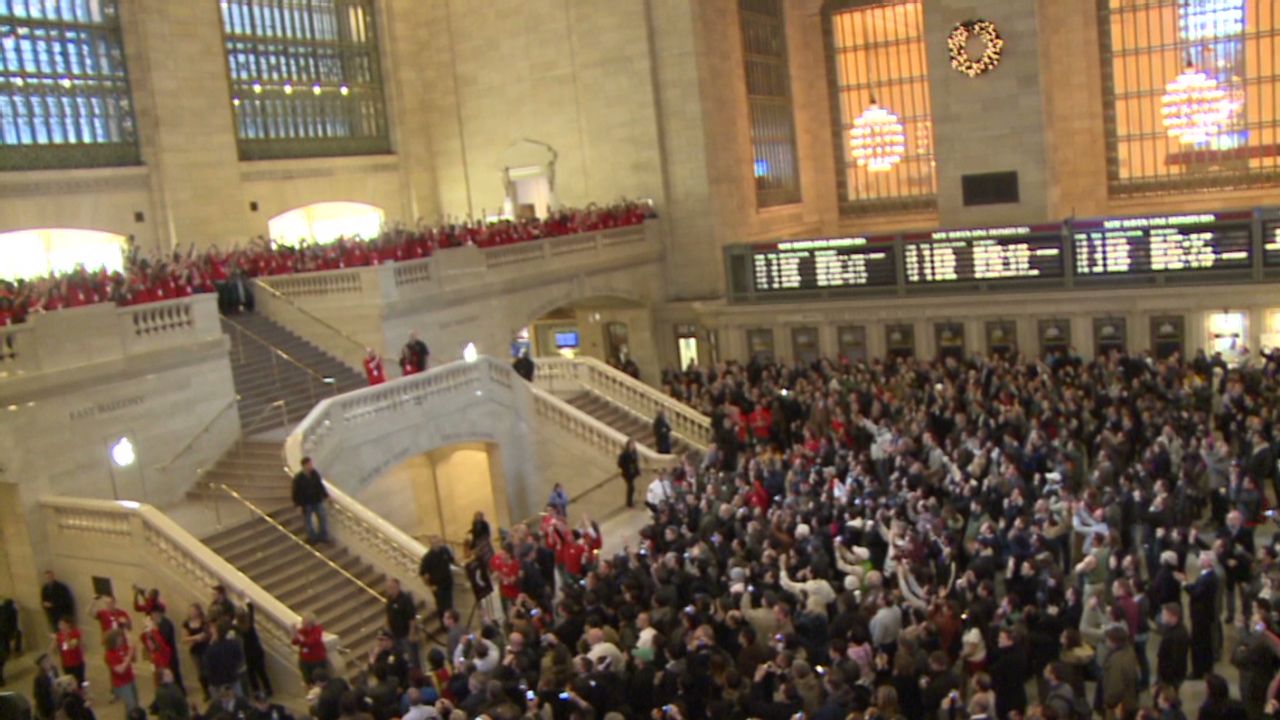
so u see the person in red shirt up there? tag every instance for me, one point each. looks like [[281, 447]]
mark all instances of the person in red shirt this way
[[158, 650], [506, 570], [120, 656], [312, 654], [144, 601], [70, 647], [373, 367], [109, 617]]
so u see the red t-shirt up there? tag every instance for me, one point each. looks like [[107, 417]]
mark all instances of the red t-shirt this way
[[115, 657], [311, 644], [116, 619], [373, 370], [507, 570], [158, 648], [69, 648]]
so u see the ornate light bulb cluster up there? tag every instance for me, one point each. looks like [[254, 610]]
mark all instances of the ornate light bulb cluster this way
[[1194, 107], [877, 140]]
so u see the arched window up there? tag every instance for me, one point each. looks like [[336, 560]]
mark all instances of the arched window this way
[[773, 130], [36, 253], [64, 91], [305, 77], [876, 53], [1191, 96], [326, 222]]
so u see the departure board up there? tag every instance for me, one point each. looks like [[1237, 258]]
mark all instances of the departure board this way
[[1271, 243], [829, 263], [1162, 244], [984, 254]]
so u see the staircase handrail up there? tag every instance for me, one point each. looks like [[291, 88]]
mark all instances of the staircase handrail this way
[[687, 422], [578, 421], [350, 342], [179, 547], [323, 379], [398, 547], [285, 531], [191, 441]]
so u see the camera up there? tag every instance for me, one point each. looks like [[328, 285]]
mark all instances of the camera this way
[[531, 695], [564, 695]]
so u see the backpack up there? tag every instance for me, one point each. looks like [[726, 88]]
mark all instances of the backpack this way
[[1078, 708]]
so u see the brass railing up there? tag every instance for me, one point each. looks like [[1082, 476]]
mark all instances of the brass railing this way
[[230, 405], [351, 344], [276, 524]]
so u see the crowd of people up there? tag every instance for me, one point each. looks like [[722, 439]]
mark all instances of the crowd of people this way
[[996, 538], [907, 539], [221, 641], [226, 272]]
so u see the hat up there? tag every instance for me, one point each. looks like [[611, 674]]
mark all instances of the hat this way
[[1169, 557], [802, 531]]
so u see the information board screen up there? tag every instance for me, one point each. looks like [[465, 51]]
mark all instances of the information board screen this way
[[1271, 243], [1162, 244], [984, 254], [829, 263]]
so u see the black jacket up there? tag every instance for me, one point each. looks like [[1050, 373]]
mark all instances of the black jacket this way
[[222, 662], [437, 566], [308, 488], [58, 595], [629, 465], [1171, 657], [400, 612]]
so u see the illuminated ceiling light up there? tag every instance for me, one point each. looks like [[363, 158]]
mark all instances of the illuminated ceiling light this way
[[469, 353], [65, 82], [877, 140], [257, 88], [1194, 108], [288, 89], [235, 101], [344, 90], [19, 82], [122, 452], [315, 89]]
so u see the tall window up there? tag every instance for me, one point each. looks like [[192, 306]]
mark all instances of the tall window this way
[[877, 56], [1161, 60], [773, 131], [305, 77], [64, 92]]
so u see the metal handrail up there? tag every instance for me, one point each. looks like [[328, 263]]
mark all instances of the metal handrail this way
[[199, 433], [274, 523], [324, 379], [310, 315], [284, 417]]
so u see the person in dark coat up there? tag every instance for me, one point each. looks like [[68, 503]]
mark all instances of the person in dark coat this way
[[629, 468], [662, 433], [1175, 644], [1009, 672], [436, 571], [938, 684], [56, 599], [223, 658], [1218, 704], [170, 635], [523, 366], [1256, 662], [309, 497], [43, 694], [255, 656], [1237, 562], [1203, 594]]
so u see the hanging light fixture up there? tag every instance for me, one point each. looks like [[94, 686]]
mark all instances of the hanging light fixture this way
[[877, 140], [1194, 107]]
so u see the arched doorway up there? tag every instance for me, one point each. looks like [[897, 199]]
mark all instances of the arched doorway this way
[[39, 252], [325, 222], [616, 330]]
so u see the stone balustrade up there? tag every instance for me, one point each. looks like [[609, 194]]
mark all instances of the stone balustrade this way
[[592, 374], [103, 332], [134, 543], [369, 536]]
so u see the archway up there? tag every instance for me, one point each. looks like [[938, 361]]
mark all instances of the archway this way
[[325, 222], [614, 329], [38, 252], [437, 493]]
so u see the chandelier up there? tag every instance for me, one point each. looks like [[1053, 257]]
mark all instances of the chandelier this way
[[877, 139], [1194, 108]]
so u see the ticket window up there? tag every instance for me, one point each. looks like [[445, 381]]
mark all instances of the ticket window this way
[[1002, 338], [1055, 337], [687, 345], [760, 345], [950, 337], [900, 340], [804, 344], [1227, 335], [1168, 336], [1109, 335], [851, 342]]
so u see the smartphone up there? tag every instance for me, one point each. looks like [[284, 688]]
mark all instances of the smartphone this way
[[564, 695], [530, 695], [535, 612]]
